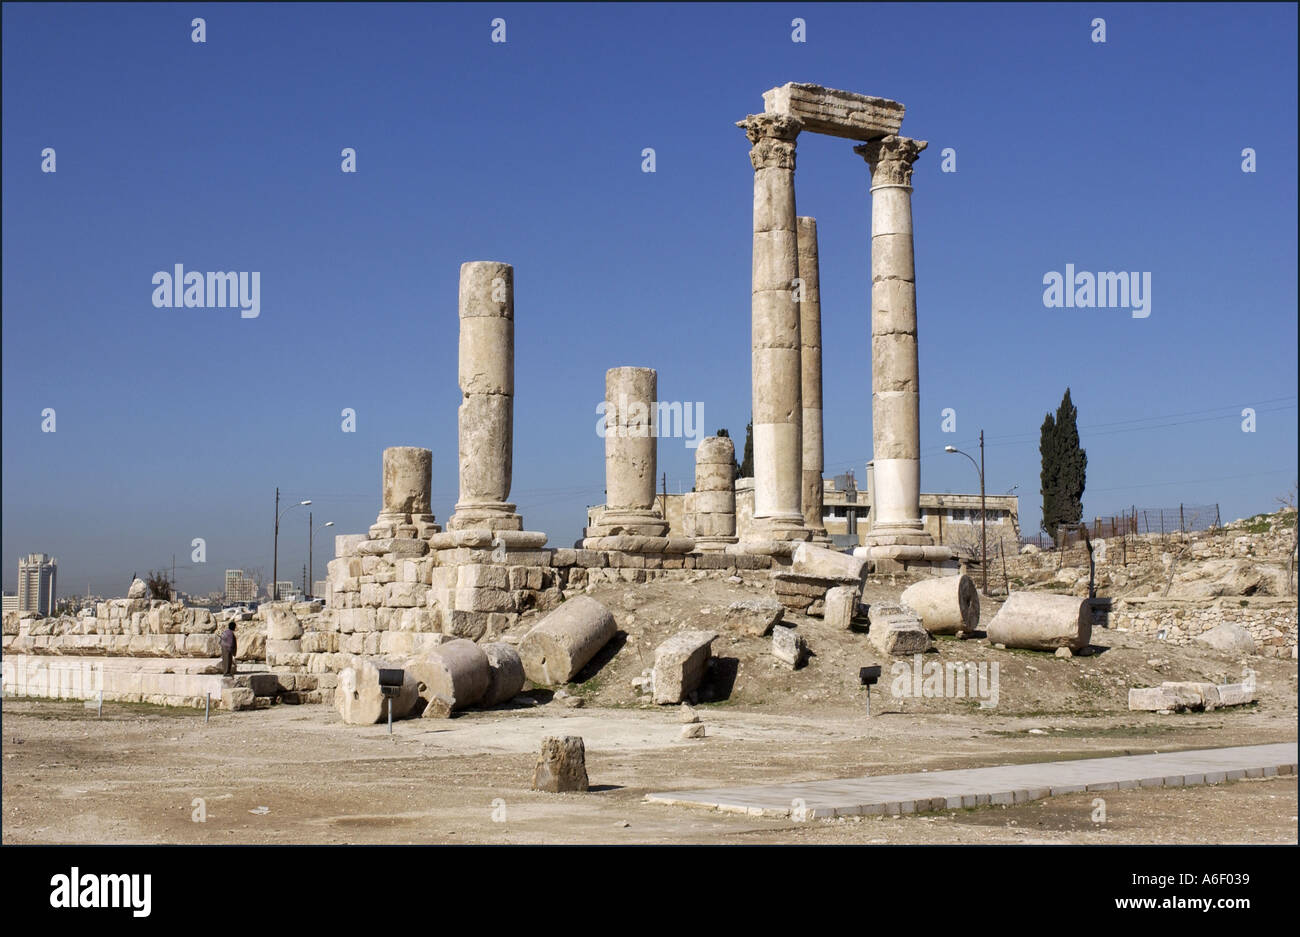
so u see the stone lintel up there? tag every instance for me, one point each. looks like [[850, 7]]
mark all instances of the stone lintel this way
[[835, 113]]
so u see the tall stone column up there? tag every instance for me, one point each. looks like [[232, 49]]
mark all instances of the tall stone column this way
[[895, 385], [777, 370], [407, 473], [810, 340], [631, 508], [487, 381], [714, 498]]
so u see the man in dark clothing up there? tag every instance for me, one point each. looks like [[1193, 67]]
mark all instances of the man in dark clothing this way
[[228, 647]]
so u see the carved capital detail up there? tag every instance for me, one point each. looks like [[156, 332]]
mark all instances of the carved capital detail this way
[[891, 158], [773, 137]]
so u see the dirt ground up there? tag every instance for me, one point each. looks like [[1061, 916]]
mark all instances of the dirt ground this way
[[296, 774]]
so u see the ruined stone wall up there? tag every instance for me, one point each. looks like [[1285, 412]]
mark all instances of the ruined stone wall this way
[[1271, 622], [393, 607], [132, 628]]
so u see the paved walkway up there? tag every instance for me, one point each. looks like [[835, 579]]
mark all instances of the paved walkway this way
[[974, 787]]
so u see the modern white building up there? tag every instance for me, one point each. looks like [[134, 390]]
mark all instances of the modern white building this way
[[37, 573]]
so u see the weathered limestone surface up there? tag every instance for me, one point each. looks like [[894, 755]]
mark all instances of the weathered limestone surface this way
[[835, 113], [404, 510], [713, 503], [817, 561], [138, 590], [1230, 638], [457, 670], [1041, 621], [1177, 696], [810, 361], [562, 643], [946, 604], [561, 766], [359, 699], [895, 387], [487, 381], [631, 508], [841, 606], [789, 647], [505, 673], [681, 663], [896, 630], [776, 350], [754, 616]]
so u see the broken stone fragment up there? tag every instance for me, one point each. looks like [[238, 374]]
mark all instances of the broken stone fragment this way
[[754, 616], [896, 630], [561, 766], [788, 647], [680, 664]]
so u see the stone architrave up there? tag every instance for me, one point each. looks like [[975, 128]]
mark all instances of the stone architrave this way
[[810, 340], [776, 352], [406, 477], [714, 499]]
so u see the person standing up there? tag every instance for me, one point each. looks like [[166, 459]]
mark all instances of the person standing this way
[[228, 648]]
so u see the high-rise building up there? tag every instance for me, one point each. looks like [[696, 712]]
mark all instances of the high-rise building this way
[[239, 588], [36, 583], [285, 588], [10, 602]]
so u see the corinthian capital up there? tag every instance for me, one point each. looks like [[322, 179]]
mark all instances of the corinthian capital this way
[[772, 136], [891, 158]]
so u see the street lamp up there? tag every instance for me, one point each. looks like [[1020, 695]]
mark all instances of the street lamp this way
[[275, 561], [984, 558], [311, 570]]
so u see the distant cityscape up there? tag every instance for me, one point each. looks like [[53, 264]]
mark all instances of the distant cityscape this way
[[38, 590]]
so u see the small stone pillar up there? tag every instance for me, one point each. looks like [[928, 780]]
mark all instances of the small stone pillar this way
[[631, 508], [407, 475], [714, 498], [776, 353], [895, 390], [810, 340], [487, 381]]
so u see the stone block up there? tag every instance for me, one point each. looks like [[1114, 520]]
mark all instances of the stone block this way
[[753, 616], [561, 766], [680, 665], [896, 630], [840, 607], [789, 647]]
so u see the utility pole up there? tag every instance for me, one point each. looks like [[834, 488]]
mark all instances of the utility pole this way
[[310, 558], [984, 554], [275, 555]]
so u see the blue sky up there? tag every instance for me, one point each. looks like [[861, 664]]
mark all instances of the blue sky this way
[[174, 424]]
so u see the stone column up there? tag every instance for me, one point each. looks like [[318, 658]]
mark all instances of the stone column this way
[[810, 340], [776, 371], [714, 500], [895, 388], [631, 508], [487, 381], [406, 479]]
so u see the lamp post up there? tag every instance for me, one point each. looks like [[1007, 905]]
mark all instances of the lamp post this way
[[311, 569], [984, 559], [275, 561]]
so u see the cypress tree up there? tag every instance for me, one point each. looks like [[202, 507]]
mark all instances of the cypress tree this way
[[747, 463], [1064, 467]]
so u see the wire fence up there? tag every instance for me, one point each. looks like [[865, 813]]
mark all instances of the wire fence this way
[[1136, 521]]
